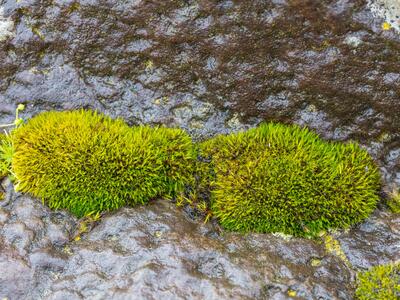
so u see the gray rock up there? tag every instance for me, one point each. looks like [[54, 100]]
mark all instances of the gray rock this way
[[159, 252], [210, 68]]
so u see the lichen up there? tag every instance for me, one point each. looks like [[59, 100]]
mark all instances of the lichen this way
[[333, 246]]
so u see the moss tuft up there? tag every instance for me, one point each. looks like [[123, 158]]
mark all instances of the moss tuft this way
[[379, 283], [86, 162], [6, 154], [278, 178]]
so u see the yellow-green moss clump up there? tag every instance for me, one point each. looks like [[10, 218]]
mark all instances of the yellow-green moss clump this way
[[87, 162], [379, 283], [278, 178]]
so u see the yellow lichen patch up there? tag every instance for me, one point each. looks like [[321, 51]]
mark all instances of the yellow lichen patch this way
[[162, 100], [86, 224], [149, 65], [37, 32], [386, 26], [158, 234], [74, 7], [292, 293], [315, 262], [67, 250]]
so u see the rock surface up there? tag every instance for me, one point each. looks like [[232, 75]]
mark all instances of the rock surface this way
[[210, 67], [160, 252]]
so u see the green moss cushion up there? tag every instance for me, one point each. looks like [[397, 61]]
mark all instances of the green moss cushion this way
[[86, 162], [379, 283], [278, 178]]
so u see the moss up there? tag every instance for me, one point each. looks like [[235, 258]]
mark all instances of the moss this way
[[333, 246], [379, 283], [86, 162], [278, 178], [394, 201], [6, 154], [273, 178]]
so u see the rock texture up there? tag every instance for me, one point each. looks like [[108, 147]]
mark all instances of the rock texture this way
[[160, 252]]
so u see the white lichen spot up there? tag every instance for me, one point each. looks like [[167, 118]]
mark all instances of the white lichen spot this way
[[389, 10], [6, 26], [353, 41], [234, 121]]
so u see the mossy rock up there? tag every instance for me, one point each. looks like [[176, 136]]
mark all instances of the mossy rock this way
[[379, 283], [279, 178], [87, 162]]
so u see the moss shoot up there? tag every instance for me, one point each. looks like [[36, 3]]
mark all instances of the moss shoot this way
[[278, 178], [379, 283], [86, 162], [6, 154]]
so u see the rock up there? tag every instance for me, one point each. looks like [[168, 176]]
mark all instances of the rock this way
[[160, 252], [48, 259], [18, 235], [388, 9], [209, 67], [374, 242], [6, 26], [16, 278], [157, 251]]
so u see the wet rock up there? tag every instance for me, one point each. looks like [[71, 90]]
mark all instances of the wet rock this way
[[48, 259], [18, 235], [3, 216], [374, 242], [157, 252], [209, 67], [16, 278]]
